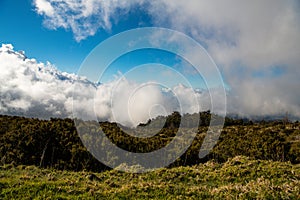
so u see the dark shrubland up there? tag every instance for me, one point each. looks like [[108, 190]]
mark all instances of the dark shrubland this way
[[55, 143]]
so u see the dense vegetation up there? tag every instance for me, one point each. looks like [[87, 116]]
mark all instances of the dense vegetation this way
[[238, 178], [55, 143]]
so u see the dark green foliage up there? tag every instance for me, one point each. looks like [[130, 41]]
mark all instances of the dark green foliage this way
[[45, 143], [55, 143]]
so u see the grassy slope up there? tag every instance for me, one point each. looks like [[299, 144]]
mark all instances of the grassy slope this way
[[239, 177]]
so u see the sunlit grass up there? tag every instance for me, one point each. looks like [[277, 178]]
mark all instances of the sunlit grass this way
[[240, 178]]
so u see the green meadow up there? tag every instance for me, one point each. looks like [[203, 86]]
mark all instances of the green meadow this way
[[238, 178]]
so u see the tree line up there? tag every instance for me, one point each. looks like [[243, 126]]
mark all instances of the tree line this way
[[55, 143]]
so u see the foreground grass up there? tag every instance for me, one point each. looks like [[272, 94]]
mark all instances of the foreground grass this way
[[238, 178]]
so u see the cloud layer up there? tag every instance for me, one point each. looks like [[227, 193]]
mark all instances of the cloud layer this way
[[255, 43], [36, 89]]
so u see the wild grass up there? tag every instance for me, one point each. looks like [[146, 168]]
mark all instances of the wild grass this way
[[238, 178]]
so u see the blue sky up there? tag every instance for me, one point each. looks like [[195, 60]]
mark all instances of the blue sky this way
[[255, 45], [23, 27], [25, 30]]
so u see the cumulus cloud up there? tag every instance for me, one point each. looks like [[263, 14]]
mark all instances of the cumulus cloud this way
[[84, 18], [254, 33], [248, 40], [31, 88], [35, 89], [44, 7]]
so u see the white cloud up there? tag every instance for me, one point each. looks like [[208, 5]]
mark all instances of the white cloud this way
[[35, 89], [246, 38], [253, 33], [44, 7], [243, 37], [256, 33], [30, 88], [84, 18]]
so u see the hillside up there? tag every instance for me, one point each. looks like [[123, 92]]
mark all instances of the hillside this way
[[56, 144], [45, 159]]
